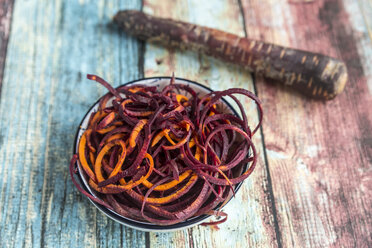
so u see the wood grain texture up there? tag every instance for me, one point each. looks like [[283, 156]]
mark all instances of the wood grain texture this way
[[319, 154], [52, 46], [251, 220], [360, 14], [6, 10]]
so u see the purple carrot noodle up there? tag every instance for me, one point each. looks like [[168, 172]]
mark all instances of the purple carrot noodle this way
[[215, 213], [106, 167], [109, 134], [159, 148], [105, 84], [149, 192], [173, 166], [97, 200]]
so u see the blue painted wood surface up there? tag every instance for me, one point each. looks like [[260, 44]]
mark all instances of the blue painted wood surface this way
[[52, 46], [5, 21]]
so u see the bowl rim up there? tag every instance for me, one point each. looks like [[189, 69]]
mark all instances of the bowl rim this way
[[193, 221]]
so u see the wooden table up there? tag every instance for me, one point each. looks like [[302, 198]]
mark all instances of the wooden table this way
[[312, 187]]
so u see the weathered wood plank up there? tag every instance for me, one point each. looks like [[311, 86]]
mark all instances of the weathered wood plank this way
[[360, 14], [6, 10], [53, 44], [319, 154], [250, 222]]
